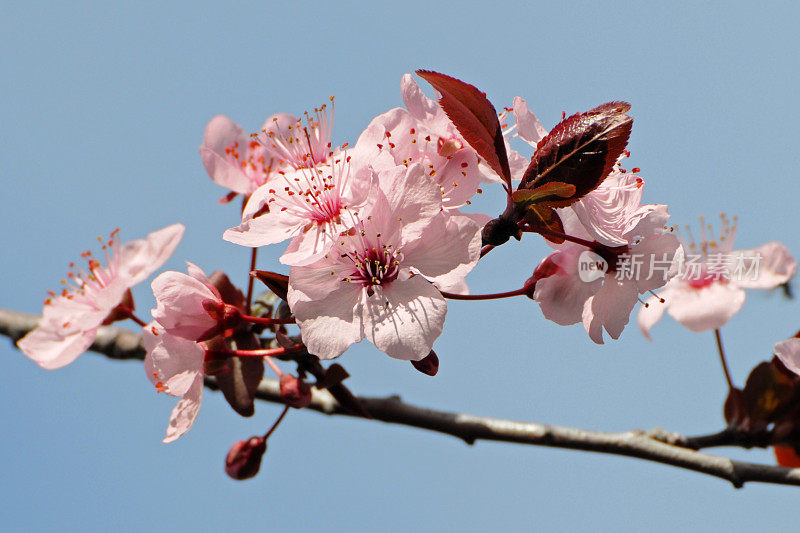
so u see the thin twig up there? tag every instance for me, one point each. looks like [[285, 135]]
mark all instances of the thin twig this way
[[655, 445]]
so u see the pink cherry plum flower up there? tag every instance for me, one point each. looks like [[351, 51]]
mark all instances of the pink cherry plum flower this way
[[232, 158], [242, 162], [296, 144], [70, 320], [190, 306], [308, 205], [175, 366], [633, 254], [422, 133], [710, 286], [372, 281]]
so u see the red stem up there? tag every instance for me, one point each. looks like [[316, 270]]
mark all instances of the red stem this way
[[718, 336], [260, 353], [277, 422], [486, 249], [129, 313], [495, 296], [268, 321], [546, 232], [250, 281]]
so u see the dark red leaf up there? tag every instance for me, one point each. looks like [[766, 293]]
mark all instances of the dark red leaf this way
[[580, 150], [240, 384], [767, 393], [734, 407], [230, 293], [277, 283], [474, 117], [786, 456]]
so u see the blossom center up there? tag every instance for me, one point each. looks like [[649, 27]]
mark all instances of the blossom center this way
[[253, 162], [374, 265]]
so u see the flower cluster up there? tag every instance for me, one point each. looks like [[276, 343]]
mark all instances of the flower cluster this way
[[379, 236]]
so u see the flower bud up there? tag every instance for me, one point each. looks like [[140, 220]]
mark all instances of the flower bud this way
[[244, 458], [294, 391], [428, 365]]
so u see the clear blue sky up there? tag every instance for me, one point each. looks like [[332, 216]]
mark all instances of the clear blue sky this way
[[102, 110]]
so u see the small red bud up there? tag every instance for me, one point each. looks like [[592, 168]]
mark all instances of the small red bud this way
[[294, 391], [244, 458], [428, 365]]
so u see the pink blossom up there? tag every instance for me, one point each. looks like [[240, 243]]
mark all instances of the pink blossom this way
[[710, 287], [175, 366], [422, 133], [633, 244], [370, 283], [187, 306], [309, 205], [70, 320], [242, 162], [296, 144], [232, 158]]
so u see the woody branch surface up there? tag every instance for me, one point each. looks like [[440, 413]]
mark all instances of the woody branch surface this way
[[655, 445]]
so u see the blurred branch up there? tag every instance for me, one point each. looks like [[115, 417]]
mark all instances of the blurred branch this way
[[656, 445]]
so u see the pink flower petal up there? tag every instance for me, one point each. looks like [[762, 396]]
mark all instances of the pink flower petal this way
[[331, 324], [50, 350], [774, 266], [142, 257], [221, 132], [788, 352], [184, 414], [528, 126], [706, 308], [405, 318], [609, 309]]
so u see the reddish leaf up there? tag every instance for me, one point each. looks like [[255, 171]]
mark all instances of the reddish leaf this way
[[277, 283], [767, 393], [786, 456], [230, 293], [240, 384], [474, 117], [734, 407], [580, 150]]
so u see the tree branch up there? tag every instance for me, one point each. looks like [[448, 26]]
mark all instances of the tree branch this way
[[656, 445]]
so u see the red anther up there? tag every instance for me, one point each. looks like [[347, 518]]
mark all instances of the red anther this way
[[464, 165], [636, 169], [244, 458]]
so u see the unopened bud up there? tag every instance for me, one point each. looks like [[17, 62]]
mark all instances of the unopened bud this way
[[244, 458], [428, 365], [295, 392]]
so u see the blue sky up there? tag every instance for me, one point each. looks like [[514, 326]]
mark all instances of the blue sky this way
[[102, 112]]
